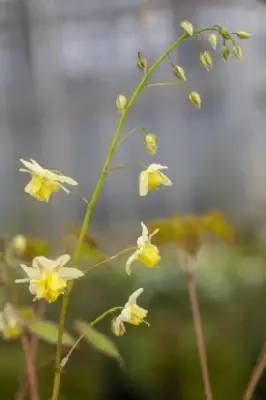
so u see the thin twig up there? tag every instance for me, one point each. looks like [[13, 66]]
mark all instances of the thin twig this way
[[256, 374], [199, 333], [30, 367], [24, 382]]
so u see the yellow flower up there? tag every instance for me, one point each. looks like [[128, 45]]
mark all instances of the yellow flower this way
[[131, 313], [152, 178], [43, 181], [146, 253], [48, 278], [10, 323]]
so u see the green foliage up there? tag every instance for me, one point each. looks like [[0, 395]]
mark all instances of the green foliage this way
[[99, 341]]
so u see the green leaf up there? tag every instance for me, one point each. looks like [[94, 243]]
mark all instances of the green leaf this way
[[99, 341], [48, 331]]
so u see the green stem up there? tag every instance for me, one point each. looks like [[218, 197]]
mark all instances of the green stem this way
[[149, 85], [94, 322], [96, 194], [137, 163], [106, 260]]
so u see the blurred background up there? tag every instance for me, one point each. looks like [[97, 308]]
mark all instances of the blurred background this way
[[62, 64]]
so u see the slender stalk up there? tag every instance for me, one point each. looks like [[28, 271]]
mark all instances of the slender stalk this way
[[199, 333], [256, 374], [106, 260], [30, 367], [24, 382], [149, 85], [96, 194], [94, 322]]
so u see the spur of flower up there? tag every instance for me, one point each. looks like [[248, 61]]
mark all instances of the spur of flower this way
[[10, 323], [48, 278], [43, 181], [146, 252], [131, 313], [152, 178]]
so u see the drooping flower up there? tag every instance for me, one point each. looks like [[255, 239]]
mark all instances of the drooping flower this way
[[131, 313], [152, 178], [10, 323], [48, 278], [43, 181], [146, 252]]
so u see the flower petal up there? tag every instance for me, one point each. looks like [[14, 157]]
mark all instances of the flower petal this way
[[69, 273], [133, 298], [63, 260], [156, 167], [44, 263], [33, 288], [166, 180], [153, 233], [143, 183], [66, 179], [31, 272], [22, 280], [130, 260]]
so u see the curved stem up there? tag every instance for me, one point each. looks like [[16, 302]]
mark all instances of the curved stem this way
[[96, 194], [106, 260], [256, 374], [199, 333], [94, 322], [30, 367]]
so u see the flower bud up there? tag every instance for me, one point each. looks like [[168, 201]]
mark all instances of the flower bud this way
[[187, 26], [206, 60], [225, 52], [238, 53], [121, 102], [142, 62], [225, 34], [150, 143], [243, 35], [213, 40], [179, 72], [19, 245], [194, 98]]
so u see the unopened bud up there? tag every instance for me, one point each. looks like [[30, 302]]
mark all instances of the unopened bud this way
[[187, 26], [142, 62], [243, 35], [225, 34], [213, 40], [19, 244], [225, 52], [179, 72], [150, 142], [194, 98], [206, 60], [238, 53], [121, 102]]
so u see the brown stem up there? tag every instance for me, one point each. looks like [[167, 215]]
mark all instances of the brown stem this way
[[256, 374], [199, 333], [24, 381], [30, 367]]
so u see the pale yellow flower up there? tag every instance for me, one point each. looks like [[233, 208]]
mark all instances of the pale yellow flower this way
[[152, 178], [48, 278], [43, 181], [131, 313], [10, 323], [146, 253]]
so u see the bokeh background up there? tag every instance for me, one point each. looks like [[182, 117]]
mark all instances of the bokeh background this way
[[62, 64]]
